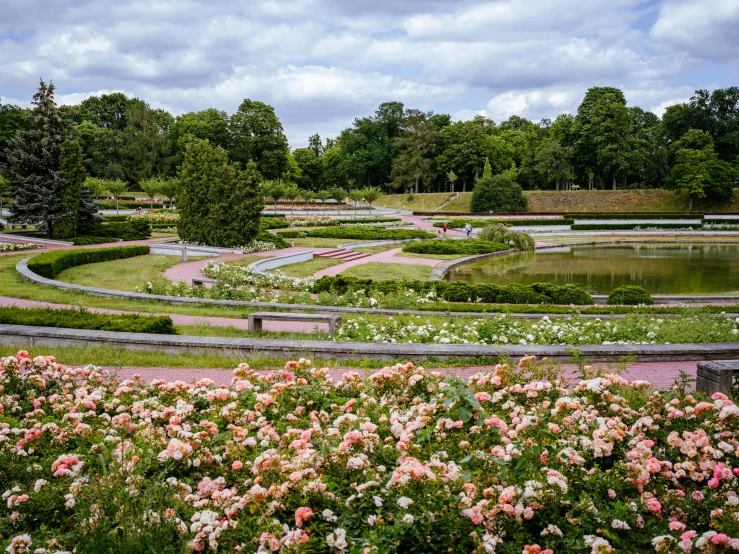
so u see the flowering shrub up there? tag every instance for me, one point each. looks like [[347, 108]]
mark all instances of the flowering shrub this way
[[504, 329], [257, 246], [311, 220], [403, 461], [328, 221], [156, 217], [306, 207], [15, 246]]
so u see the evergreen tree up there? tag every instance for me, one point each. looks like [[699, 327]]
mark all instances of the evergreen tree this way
[[73, 172], [45, 178], [219, 204]]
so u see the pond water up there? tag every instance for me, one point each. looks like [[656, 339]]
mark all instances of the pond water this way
[[659, 268]]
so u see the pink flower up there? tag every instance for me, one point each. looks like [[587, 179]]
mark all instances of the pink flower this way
[[301, 514], [677, 525], [654, 506], [611, 493], [237, 465], [720, 538]]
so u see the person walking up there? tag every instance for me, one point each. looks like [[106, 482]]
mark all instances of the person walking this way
[[443, 228], [468, 229]]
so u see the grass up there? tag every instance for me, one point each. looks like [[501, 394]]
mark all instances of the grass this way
[[390, 271], [124, 274], [120, 357], [588, 201], [430, 256], [376, 249], [307, 269], [425, 202]]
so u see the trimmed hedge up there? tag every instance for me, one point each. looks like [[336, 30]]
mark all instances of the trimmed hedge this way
[[458, 223], [51, 264], [635, 216], [463, 246], [82, 319], [278, 241], [83, 240], [629, 226], [360, 233], [629, 294], [536, 293], [136, 229], [721, 221]]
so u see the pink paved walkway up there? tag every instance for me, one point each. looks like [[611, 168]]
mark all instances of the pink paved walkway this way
[[389, 256], [428, 225], [659, 374]]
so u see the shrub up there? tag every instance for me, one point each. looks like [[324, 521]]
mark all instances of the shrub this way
[[504, 235], [630, 226], [463, 246], [51, 264], [629, 294], [276, 240], [458, 291], [499, 193], [360, 233], [109, 218], [82, 319], [273, 223], [137, 229]]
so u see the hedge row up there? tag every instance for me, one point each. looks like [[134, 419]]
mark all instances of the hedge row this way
[[634, 216], [629, 295], [464, 247], [109, 218], [629, 226], [51, 264], [273, 223], [458, 223], [360, 233], [83, 240], [82, 319], [278, 241], [136, 229], [537, 293]]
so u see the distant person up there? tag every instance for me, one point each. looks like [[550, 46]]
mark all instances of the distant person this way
[[468, 229], [438, 233], [443, 228]]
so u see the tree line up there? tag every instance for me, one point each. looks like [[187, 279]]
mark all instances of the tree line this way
[[606, 144]]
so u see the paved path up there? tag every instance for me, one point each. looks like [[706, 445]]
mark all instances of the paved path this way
[[428, 225], [180, 319], [659, 374]]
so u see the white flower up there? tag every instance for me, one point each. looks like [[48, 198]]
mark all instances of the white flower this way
[[70, 501], [404, 502], [38, 484], [19, 544], [408, 518], [328, 515], [378, 501]]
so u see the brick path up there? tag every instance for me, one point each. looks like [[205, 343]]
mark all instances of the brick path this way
[[660, 374]]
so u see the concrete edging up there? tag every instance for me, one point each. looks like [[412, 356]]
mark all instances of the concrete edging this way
[[260, 267], [28, 336]]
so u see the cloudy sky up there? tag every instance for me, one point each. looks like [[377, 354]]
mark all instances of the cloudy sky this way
[[321, 63]]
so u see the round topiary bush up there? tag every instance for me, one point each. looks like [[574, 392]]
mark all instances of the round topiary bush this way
[[629, 294]]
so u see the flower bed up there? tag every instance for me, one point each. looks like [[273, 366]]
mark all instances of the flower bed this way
[[404, 461], [503, 329], [156, 217], [359, 233], [328, 221], [129, 204], [308, 207], [464, 247], [16, 246]]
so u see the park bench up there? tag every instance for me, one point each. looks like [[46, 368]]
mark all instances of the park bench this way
[[717, 376], [200, 281], [255, 320]]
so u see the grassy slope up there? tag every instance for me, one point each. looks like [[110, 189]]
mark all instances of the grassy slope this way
[[389, 271], [307, 269], [586, 201], [421, 202], [122, 274]]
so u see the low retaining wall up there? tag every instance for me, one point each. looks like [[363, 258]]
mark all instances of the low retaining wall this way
[[261, 267], [27, 336]]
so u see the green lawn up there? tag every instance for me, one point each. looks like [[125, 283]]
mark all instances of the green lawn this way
[[314, 242], [430, 256], [307, 269], [425, 202], [380, 271], [124, 274], [377, 249]]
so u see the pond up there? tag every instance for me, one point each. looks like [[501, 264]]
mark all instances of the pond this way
[[659, 268]]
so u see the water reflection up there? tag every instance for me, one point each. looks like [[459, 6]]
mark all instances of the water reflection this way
[[661, 269]]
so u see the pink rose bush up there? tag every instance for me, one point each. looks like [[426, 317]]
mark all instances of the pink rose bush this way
[[401, 461]]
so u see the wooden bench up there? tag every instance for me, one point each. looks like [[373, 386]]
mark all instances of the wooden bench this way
[[255, 320], [200, 281], [717, 376]]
